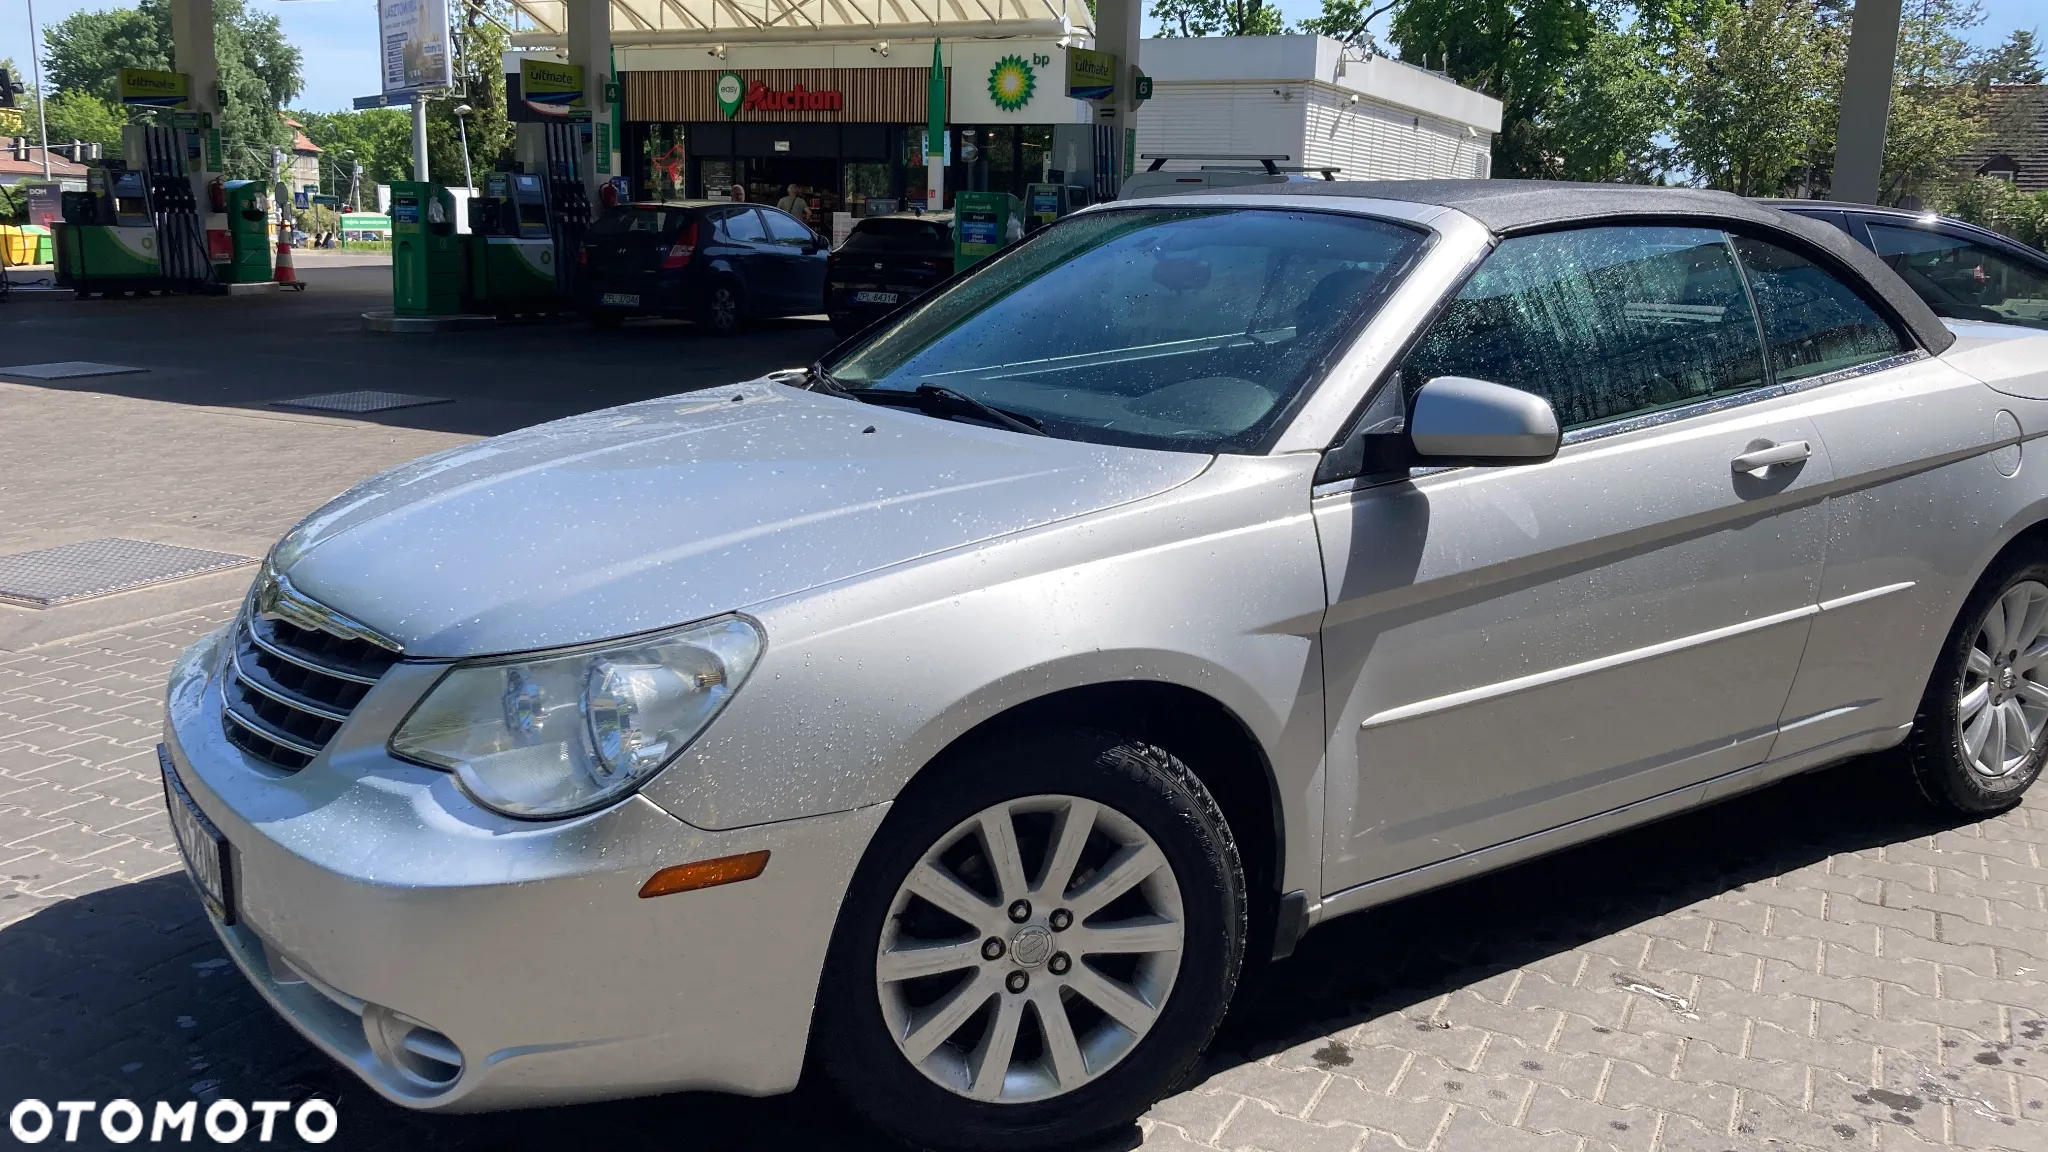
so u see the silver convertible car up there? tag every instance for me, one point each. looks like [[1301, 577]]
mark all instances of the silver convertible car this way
[[963, 716]]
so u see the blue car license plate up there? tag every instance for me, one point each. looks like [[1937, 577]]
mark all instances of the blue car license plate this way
[[204, 848]]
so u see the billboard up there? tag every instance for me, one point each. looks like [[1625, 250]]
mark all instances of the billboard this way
[[553, 89], [1091, 75], [154, 89], [415, 45]]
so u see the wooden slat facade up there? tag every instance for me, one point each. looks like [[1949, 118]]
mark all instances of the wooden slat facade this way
[[868, 95]]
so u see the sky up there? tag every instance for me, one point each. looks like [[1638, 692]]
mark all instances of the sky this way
[[339, 37]]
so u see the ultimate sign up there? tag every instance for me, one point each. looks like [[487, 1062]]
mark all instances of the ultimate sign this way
[[761, 98]]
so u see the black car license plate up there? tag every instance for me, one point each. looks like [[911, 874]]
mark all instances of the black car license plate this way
[[204, 848]]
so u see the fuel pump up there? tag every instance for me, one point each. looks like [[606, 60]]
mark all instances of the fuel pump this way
[[426, 253], [513, 265], [107, 240], [246, 206], [568, 204], [138, 226]]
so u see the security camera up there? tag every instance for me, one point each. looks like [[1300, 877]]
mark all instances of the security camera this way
[[882, 48], [717, 50]]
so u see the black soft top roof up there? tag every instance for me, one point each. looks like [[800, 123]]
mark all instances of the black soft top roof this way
[[1507, 207]]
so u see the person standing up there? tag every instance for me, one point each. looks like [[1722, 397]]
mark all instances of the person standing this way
[[739, 193], [795, 204]]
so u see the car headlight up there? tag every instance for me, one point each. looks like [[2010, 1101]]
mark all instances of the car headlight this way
[[555, 734]]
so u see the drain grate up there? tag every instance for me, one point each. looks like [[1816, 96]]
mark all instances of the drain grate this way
[[359, 401], [67, 370], [48, 577]]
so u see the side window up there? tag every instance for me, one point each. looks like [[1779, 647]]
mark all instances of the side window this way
[[742, 227], [1813, 322], [786, 229], [1964, 280], [1602, 322]]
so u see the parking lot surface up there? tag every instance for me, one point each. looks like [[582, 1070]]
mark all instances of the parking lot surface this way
[[1819, 965]]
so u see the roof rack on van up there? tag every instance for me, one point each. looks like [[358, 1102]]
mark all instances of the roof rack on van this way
[[1329, 172], [1159, 159]]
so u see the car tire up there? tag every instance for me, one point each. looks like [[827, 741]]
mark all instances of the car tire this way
[[724, 311], [1981, 733], [1166, 991]]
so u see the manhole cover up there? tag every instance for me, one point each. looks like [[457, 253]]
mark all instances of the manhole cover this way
[[67, 369], [359, 401], [48, 577]]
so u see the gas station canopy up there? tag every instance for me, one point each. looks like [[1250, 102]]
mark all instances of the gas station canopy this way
[[543, 23]]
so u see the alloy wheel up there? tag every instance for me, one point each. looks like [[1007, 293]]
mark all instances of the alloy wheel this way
[[725, 308], [2002, 707], [1030, 949]]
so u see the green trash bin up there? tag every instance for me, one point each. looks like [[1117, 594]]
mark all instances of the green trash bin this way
[[43, 249]]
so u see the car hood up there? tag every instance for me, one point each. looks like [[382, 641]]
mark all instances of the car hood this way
[[671, 510]]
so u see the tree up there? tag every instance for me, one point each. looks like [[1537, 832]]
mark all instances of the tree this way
[[1755, 88], [76, 114], [1612, 102], [1517, 51], [1218, 18], [1349, 21], [259, 69], [480, 43], [380, 138], [2017, 61], [1937, 113]]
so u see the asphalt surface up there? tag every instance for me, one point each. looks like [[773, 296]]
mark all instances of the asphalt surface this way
[[1819, 965], [251, 350]]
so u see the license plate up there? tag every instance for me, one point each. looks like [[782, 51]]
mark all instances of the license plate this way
[[205, 849], [876, 297], [620, 299]]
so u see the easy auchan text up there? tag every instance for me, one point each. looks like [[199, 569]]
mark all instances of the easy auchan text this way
[[126, 1122]]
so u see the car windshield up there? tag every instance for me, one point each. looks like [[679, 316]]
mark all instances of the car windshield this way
[[1154, 327], [883, 235]]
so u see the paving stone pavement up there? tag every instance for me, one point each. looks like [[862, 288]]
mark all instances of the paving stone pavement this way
[[1820, 965], [1815, 966]]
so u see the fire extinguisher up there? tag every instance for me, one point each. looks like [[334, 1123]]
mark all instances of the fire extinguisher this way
[[216, 195]]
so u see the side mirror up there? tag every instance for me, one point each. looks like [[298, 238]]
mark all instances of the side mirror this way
[[1459, 420], [1454, 420]]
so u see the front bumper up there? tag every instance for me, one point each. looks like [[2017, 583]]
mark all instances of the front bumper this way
[[460, 960]]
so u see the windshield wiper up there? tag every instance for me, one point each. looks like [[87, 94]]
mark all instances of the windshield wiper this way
[[931, 399], [937, 398], [816, 379]]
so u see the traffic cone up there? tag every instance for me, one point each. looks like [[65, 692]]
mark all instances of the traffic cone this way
[[286, 274]]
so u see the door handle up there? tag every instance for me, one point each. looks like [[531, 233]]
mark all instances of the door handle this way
[[1758, 459]]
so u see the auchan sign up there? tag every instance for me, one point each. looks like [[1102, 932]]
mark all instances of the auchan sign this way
[[761, 98]]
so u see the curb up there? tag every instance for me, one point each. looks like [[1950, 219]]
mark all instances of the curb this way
[[386, 321]]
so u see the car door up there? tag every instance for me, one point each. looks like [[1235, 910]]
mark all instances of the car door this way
[[1910, 440], [753, 256], [803, 257], [1507, 650]]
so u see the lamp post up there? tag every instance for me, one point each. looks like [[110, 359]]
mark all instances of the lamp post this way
[[35, 57], [462, 112]]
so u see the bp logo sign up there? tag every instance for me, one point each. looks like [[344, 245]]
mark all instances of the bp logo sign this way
[[730, 92], [1011, 83]]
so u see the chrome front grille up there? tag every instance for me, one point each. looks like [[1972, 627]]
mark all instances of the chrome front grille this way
[[295, 673]]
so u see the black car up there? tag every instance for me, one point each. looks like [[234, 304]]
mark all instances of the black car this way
[[1963, 272], [712, 261], [886, 262]]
